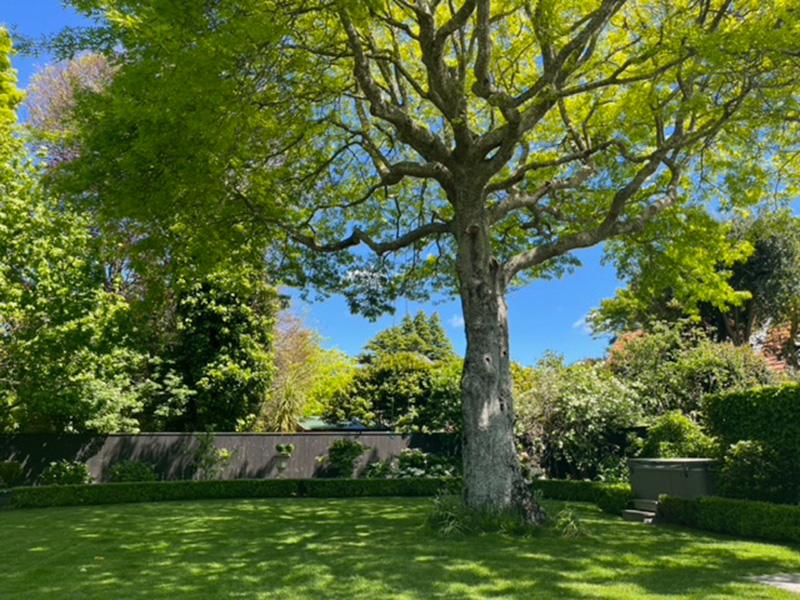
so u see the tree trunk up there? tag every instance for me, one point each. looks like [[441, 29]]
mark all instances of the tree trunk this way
[[492, 476]]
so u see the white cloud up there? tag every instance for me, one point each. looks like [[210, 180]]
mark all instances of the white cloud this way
[[456, 321], [582, 325]]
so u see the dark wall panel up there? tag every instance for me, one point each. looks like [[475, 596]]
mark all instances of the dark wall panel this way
[[254, 455]]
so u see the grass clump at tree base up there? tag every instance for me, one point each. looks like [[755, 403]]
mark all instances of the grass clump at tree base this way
[[361, 549]]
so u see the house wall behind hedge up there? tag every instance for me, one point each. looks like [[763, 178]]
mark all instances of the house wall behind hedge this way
[[254, 457]]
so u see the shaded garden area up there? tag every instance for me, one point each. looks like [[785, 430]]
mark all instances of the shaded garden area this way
[[361, 548]]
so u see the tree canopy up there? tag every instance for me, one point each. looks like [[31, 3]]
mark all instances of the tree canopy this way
[[465, 146], [765, 279]]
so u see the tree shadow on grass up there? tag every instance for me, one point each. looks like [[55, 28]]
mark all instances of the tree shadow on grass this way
[[359, 549]]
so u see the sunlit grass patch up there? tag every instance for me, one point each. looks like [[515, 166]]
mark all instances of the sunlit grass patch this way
[[361, 549]]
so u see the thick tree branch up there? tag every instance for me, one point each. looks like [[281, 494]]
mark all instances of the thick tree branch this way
[[516, 200], [358, 237], [519, 174], [611, 226], [409, 131]]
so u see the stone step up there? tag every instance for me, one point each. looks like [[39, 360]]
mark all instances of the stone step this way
[[648, 505], [638, 516]]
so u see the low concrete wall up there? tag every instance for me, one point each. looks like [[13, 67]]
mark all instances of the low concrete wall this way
[[254, 454]]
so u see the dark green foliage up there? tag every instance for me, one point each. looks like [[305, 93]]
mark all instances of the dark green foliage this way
[[677, 510], [750, 471], [342, 457], [403, 391], [132, 470], [345, 488], [10, 473], [674, 435], [157, 491], [610, 498], [409, 380], [222, 354], [770, 416], [64, 472], [418, 335], [613, 498], [761, 520]]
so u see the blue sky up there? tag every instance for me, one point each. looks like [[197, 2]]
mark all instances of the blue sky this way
[[547, 315]]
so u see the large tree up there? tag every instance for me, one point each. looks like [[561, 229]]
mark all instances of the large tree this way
[[470, 145], [66, 362]]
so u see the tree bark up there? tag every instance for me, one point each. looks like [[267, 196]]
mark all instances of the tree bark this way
[[493, 479]]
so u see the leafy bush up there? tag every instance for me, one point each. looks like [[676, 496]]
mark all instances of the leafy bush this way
[[673, 366], [574, 417], [413, 463], [771, 417], [342, 457], [65, 472], [450, 517], [750, 472], [772, 522], [674, 435], [405, 391], [133, 470], [10, 473], [155, 491], [208, 460]]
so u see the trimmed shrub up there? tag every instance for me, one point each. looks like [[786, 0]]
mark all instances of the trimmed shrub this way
[[342, 457], [158, 491], [64, 472], [610, 498], [133, 470], [10, 473], [771, 417], [750, 472], [767, 414], [346, 488], [674, 435], [151, 491], [761, 520], [677, 510]]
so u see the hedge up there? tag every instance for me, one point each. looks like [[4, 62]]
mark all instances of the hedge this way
[[767, 414], [611, 498], [771, 417], [347, 488], [745, 518], [157, 491]]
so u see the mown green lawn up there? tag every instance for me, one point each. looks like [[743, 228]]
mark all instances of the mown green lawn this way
[[359, 549]]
